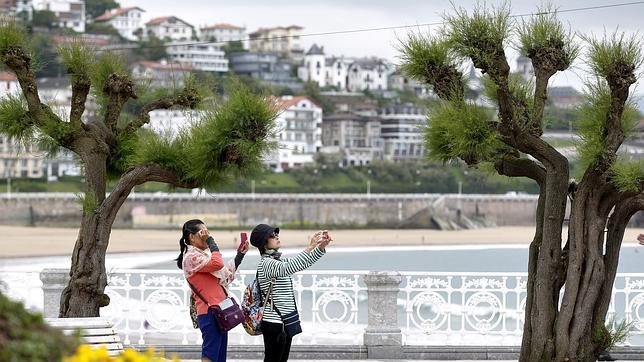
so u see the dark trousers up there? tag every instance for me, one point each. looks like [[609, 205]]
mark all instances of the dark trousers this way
[[277, 345], [215, 343]]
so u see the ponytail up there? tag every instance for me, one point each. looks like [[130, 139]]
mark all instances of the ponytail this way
[[190, 227]]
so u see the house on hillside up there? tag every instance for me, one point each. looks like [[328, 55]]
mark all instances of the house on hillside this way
[[169, 28], [127, 21]]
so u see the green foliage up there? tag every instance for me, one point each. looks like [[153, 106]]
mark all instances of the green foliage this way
[[101, 28], [172, 153], [233, 47], [25, 336], [45, 58], [121, 156], [231, 140], [520, 89], [78, 59], [107, 64], [481, 34], [88, 202], [44, 18], [15, 122], [152, 48], [544, 31], [12, 35], [419, 53], [628, 176], [460, 129], [592, 121], [95, 8], [312, 90], [609, 55], [613, 333]]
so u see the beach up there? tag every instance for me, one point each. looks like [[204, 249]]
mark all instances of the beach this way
[[19, 241]]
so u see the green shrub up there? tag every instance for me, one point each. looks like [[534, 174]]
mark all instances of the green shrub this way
[[25, 337]]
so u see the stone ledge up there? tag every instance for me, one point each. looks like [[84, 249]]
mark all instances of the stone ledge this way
[[317, 352]]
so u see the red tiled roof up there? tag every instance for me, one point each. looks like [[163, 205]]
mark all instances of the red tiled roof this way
[[8, 77], [166, 66], [109, 15], [285, 103], [222, 26], [89, 39], [262, 30], [160, 20]]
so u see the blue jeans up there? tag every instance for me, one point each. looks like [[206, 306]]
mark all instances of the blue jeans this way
[[215, 343]]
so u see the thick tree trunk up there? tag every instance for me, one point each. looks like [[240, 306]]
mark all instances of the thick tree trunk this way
[[579, 320], [84, 295]]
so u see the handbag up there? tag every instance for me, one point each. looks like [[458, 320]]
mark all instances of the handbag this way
[[227, 318], [291, 321]]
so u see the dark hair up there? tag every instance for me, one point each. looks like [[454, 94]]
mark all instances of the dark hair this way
[[190, 227]]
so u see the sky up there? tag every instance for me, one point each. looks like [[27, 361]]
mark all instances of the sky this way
[[334, 15]]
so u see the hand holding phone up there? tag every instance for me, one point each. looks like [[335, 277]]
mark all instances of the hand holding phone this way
[[243, 242]]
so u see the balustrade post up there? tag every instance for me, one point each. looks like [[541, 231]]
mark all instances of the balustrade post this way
[[53, 283], [383, 337]]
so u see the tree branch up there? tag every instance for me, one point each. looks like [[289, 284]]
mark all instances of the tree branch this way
[[513, 166], [617, 223], [80, 90], [20, 62], [186, 98], [137, 176], [119, 89]]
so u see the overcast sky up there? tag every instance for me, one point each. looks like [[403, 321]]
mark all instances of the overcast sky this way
[[334, 15]]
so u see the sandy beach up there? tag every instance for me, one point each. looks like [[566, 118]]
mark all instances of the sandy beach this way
[[16, 241]]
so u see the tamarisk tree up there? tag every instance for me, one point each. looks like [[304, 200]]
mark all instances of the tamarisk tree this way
[[569, 279], [227, 142]]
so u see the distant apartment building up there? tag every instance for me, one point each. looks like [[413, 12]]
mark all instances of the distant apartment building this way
[[16, 9], [224, 33], [20, 161], [127, 21], [8, 84], [206, 57], [299, 133], [401, 82], [161, 73], [356, 137], [169, 28], [401, 130], [265, 67], [283, 41], [344, 74], [564, 97], [524, 67], [70, 13]]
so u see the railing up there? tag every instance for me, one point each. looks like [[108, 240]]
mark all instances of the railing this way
[[151, 306]]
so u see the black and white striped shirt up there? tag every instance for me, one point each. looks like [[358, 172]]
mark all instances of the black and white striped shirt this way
[[281, 270]]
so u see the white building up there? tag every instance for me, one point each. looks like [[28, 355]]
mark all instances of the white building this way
[[284, 41], [206, 57], [401, 129], [356, 137], [169, 28], [345, 74], [20, 9], [127, 21], [161, 74], [368, 74], [8, 84], [224, 33], [299, 133], [524, 67], [70, 13], [170, 122]]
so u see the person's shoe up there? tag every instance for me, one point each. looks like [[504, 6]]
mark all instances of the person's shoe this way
[[605, 356]]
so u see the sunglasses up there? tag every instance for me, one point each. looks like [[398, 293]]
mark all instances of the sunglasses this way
[[274, 235]]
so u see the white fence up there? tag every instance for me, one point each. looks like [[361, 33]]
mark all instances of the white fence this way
[[151, 306]]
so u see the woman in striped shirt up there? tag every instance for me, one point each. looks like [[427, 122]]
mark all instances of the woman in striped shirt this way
[[276, 270]]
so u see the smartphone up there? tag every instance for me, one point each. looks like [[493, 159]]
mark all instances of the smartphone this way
[[325, 235], [243, 237]]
